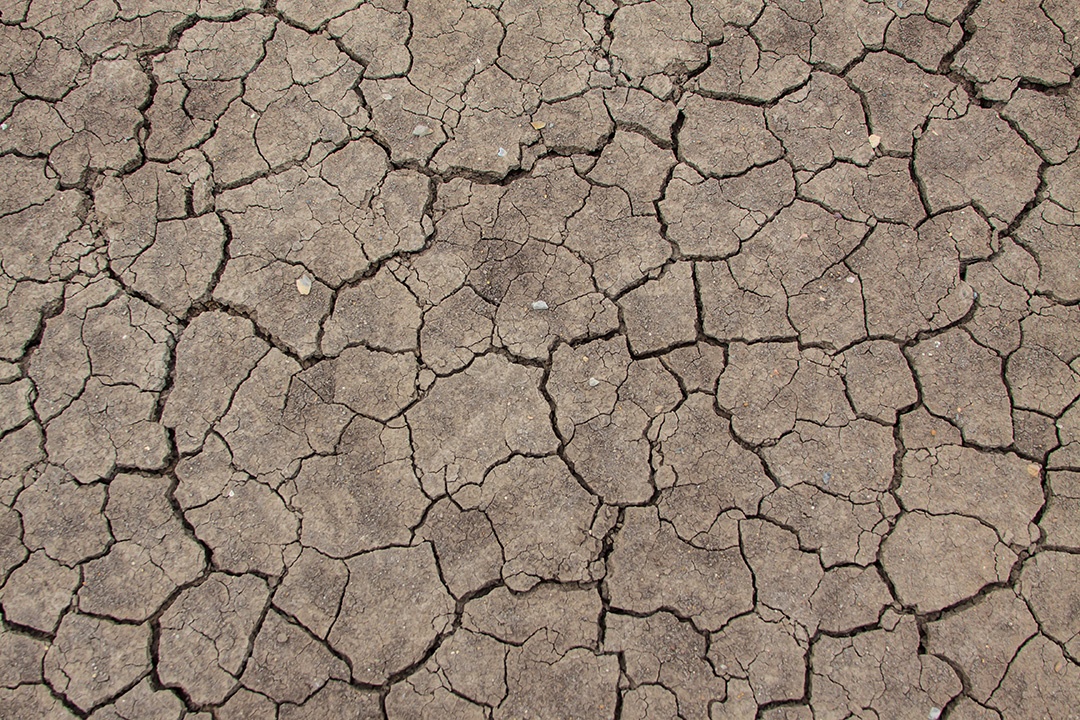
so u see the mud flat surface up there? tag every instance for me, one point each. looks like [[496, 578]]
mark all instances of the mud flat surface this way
[[475, 359]]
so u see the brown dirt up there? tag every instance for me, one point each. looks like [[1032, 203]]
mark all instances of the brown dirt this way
[[499, 359]]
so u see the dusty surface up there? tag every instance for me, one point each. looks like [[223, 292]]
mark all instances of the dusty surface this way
[[497, 359]]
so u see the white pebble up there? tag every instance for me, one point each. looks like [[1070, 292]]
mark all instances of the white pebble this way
[[935, 713], [539, 305], [593, 382], [421, 130], [502, 152]]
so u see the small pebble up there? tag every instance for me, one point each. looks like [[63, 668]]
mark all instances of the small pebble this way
[[935, 713], [421, 130], [826, 477], [502, 152], [303, 284], [538, 125], [593, 382], [539, 305]]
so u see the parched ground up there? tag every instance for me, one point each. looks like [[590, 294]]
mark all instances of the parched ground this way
[[512, 359]]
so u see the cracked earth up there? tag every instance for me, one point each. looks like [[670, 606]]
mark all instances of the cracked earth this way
[[500, 359]]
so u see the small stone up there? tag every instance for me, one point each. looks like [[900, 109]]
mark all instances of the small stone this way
[[935, 712], [593, 382], [303, 284], [1033, 470], [537, 125], [421, 130], [539, 305], [502, 152], [875, 140]]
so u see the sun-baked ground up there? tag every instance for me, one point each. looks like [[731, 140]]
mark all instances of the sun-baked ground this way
[[511, 359]]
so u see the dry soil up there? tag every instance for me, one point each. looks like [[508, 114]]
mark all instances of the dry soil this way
[[511, 359]]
